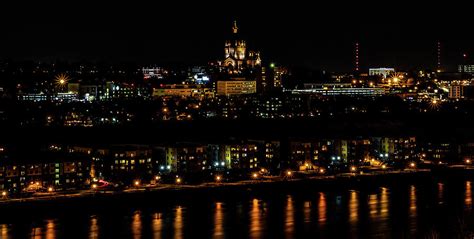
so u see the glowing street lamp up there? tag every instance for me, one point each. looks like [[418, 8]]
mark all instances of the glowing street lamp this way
[[289, 173], [384, 167], [218, 178], [468, 161], [50, 189], [412, 165], [61, 80], [178, 180], [137, 183], [321, 170], [94, 186], [353, 168], [255, 175]]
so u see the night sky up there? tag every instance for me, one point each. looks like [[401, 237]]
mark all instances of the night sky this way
[[297, 33]]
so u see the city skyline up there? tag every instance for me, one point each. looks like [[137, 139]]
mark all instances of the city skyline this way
[[316, 39]]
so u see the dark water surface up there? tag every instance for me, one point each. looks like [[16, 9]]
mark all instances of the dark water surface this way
[[435, 209]]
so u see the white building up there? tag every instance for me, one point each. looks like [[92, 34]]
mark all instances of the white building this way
[[381, 72]]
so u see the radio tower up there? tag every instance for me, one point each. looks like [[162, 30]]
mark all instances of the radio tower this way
[[439, 56], [356, 68]]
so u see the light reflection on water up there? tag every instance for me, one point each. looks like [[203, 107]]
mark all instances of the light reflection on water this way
[[289, 218], [384, 203], [178, 223], [378, 212], [136, 225], [353, 207], [307, 211], [157, 225], [440, 193], [322, 206], [412, 209], [468, 197], [218, 221], [255, 220], [93, 228], [373, 206], [4, 231], [50, 229]]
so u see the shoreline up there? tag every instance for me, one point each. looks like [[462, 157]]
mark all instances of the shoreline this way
[[164, 194]]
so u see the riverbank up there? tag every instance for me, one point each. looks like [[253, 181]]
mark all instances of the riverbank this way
[[164, 194]]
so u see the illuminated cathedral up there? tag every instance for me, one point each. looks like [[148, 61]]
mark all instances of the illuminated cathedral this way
[[237, 57]]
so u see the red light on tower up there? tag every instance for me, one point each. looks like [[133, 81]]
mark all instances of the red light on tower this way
[[439, 55], [356, 56]]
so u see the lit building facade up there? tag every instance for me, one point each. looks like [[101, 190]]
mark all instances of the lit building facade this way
[[236, 87], [236, 55], [456, 91], [335, 89], [381, 72], [466, 68], [183, 90]]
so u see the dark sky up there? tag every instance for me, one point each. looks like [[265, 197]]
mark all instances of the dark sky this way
[[307, 33]]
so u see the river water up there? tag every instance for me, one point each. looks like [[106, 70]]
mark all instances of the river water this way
[[437, 209]]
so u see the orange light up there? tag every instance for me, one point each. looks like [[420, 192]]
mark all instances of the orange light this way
[[137, 182], [412, 165], [178, 180], [94, 186], [288, 173], [353, 168], [218, 178], [255, 175], [468, 161], [50, 189], [321, 170]]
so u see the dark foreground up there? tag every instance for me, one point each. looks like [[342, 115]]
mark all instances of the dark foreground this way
[[424, 205]]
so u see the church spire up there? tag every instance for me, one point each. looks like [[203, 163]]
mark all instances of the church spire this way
[[235, 28]]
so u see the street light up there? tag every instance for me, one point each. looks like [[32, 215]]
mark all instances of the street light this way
[[218, 178], [468, 161], [255, 175], [137, 183], [321, 170], [384, 167], [178, 180], [94, 186], [50, 189], [412, 164], [353, 168]]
